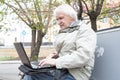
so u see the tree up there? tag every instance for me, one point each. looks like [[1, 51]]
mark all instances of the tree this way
[[92, 9], [95, 9], [37, 16]]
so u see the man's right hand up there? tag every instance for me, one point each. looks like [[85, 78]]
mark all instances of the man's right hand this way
[[53, 55]]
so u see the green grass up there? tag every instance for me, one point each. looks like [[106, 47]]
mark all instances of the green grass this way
[[5, 58]]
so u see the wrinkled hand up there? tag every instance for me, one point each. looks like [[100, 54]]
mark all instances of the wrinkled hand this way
[[48, 61]]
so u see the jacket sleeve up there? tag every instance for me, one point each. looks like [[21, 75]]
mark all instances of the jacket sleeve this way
[[85, 45]]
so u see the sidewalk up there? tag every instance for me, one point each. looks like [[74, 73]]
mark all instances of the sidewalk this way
[[9, 70]]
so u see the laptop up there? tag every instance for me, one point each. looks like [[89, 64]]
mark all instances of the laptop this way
[[24, 58]]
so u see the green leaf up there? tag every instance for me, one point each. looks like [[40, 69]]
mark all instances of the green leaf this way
[[2, 1]]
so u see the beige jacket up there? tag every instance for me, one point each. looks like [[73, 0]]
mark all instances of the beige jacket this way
[[75, 46]]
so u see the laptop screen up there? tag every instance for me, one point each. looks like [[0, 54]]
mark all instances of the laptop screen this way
[[22, 54]]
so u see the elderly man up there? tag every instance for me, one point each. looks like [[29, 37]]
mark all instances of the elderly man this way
[[75, 45]]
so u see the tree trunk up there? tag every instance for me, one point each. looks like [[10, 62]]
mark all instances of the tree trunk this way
[[93, 19], [80, 10], [35, 46], [94, 24]]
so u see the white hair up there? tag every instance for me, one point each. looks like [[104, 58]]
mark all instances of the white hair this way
[[66, 9]]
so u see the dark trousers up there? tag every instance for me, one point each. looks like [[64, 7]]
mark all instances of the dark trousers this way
[[62, 74]]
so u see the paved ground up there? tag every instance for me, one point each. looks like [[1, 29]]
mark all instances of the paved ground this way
[[9, 70]]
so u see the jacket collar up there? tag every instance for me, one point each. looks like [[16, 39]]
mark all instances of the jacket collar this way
[[74, 26]]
